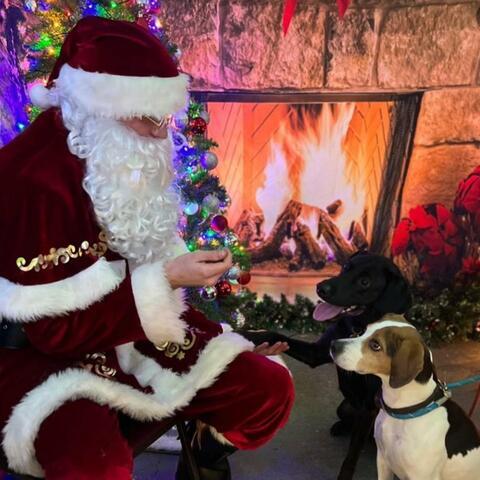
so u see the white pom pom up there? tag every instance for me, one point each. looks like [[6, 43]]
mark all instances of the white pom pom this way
[[42, 97]]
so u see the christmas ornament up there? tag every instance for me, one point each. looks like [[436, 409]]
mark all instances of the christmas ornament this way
[[205, 115], [197, 126], [233, 273], [238, 319], [191, 208], [209, 161], [210, 203], [179, 140], [230, 239], [181, 120], [209, 294], [219, 223], [244, 278], [223, 288]]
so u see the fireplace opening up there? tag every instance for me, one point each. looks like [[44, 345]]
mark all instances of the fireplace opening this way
[[313, 179]]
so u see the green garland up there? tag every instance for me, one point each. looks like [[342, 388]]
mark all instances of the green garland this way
[[246, 310], [453, 314]]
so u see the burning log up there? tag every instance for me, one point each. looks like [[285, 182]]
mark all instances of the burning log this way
[[335, 208], [334, 238], [307, 253], [249, 227], [357, 237], [283, 228]]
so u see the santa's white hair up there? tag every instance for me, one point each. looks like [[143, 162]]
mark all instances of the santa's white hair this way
[[129, 180]]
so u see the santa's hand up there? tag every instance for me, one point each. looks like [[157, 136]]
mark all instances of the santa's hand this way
[[198, 269], [275, 349]]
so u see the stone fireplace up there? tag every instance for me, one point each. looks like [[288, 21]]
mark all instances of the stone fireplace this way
[[427, 48]]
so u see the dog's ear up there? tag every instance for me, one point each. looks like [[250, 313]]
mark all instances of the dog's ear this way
[[396, 297], [407, 362]]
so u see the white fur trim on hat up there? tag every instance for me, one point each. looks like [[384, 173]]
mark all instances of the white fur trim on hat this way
[[118, 96]]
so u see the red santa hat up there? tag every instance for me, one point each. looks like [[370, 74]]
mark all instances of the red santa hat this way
[[114, 69]]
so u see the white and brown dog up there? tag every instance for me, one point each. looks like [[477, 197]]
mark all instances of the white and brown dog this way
[[420, 433]]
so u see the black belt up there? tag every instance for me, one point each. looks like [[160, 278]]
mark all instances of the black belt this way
[[12, 335]]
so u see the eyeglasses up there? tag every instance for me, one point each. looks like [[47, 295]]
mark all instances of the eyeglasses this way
[[164, 121]]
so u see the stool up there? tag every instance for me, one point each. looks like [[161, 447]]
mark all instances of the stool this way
[[141, 442]]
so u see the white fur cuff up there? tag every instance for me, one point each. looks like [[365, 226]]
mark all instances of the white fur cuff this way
[[159, 306], [27, 303]]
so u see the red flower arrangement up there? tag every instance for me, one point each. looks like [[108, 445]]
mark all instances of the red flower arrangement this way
[[470, 267], [467, 199], [431, 234]]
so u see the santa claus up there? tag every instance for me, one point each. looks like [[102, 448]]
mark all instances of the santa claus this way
[[94, 327]]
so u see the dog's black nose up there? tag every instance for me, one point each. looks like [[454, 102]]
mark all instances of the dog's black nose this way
[[324, 290]]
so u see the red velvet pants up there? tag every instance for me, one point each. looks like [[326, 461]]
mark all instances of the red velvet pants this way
[[249, 402]]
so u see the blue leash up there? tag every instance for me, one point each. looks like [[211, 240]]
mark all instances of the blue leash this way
[[462, 383]]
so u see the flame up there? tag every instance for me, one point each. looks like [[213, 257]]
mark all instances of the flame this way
[[308, 164], [276, 192]]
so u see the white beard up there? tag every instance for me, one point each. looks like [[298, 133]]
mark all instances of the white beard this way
[[129, 180]]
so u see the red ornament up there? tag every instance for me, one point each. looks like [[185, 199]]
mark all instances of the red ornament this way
[[244, 278], [197, 126], [219, 224], [223, 288]]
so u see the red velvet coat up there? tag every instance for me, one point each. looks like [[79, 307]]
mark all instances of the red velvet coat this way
[[97, 330]]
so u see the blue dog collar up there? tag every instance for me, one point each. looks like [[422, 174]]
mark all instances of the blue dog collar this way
[[439, 396]]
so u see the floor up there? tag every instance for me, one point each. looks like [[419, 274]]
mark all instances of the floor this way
[[304, 450]]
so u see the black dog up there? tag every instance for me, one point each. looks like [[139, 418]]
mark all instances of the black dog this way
[[368, 287]]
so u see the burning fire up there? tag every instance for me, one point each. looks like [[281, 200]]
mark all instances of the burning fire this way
[[308, 164]]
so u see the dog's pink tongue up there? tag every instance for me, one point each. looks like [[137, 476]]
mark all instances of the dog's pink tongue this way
[[326, 311]]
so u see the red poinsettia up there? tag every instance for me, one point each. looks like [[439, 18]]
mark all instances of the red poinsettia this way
[[430, 232], [470, 266], [467, 199]]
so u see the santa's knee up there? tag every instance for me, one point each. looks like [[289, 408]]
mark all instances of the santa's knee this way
[[82, 440], [270, 381]]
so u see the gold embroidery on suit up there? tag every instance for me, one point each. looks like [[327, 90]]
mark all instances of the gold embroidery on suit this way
[[96, 363], [171, 349], [58, 256]]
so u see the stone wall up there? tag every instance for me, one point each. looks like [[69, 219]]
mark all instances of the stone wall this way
[[390, 45], [447, 146]]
